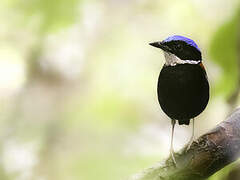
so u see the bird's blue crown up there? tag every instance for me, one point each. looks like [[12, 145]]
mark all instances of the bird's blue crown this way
[[182, 38]]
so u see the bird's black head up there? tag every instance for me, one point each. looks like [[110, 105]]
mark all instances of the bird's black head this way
[[182, 47]]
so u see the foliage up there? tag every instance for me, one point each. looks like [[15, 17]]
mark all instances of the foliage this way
[[224, 52], [53, 14]]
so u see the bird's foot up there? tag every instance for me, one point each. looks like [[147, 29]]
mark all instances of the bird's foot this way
[[173, 159], [189, 145]]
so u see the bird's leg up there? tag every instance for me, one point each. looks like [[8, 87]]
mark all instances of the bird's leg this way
[[192, 137], [171, 147]]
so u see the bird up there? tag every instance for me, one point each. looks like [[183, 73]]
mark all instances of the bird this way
[[183, 87]]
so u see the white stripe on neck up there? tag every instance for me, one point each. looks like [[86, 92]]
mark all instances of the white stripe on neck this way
[[173, 60]]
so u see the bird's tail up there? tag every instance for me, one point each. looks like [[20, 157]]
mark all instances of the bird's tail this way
[[183, 121]]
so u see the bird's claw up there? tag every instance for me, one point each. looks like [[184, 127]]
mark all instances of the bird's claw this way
[[189, 145], [173, 159]]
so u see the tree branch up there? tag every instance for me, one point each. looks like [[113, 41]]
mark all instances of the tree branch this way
[[208, 154]]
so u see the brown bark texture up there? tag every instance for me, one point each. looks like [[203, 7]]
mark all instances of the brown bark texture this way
[[207, 155]]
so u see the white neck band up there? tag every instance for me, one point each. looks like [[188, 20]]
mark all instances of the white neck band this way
[[173, 60]]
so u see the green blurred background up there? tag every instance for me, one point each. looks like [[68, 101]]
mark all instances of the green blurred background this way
[[78, 83]]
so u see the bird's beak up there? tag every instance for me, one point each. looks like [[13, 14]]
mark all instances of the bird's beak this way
[[160, 45]]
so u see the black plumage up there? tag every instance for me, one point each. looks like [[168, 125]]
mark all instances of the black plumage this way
[[183, 91]]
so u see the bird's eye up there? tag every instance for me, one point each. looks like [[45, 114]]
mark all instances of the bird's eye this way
[[179, 47]]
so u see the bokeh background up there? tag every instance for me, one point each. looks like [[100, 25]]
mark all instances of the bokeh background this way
[[78, 83]]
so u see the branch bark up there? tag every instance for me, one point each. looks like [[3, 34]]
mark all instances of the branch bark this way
[[208, 154]]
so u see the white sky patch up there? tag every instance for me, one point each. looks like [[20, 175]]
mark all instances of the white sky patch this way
[[19, 158], [12, 71], [216, 10], [64, 53], [92, 16]]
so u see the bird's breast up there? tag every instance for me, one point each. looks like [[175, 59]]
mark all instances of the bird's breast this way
[[183, 90]]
